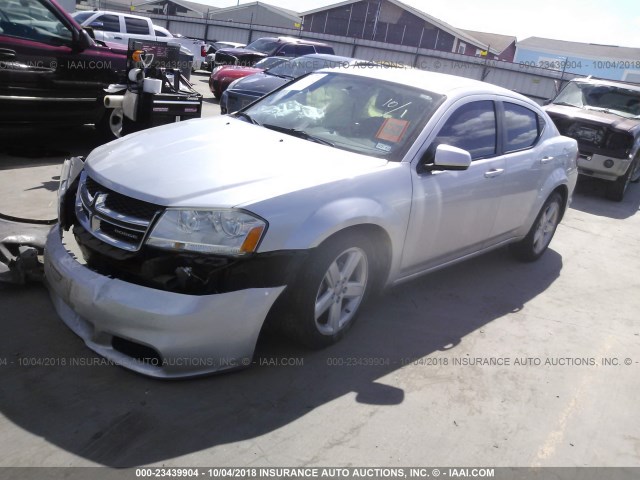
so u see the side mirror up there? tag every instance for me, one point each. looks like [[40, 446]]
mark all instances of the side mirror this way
[[451, 158], [446, 157], [84, 41], [90, 31]]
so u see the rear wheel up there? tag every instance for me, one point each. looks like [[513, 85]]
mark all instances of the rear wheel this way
[[335, 283], [537, 240]]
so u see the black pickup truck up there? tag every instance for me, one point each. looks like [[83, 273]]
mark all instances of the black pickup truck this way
[[604, 117]]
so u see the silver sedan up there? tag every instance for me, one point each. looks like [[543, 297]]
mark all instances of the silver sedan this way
[[358, 179]]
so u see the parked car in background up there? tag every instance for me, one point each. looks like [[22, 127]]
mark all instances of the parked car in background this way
[[52, 72], [365, 178], [223, 75], [198, 48], [604, 117], [243, 91], [213, 48], [269, 47]]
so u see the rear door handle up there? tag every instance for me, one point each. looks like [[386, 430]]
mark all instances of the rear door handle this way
[[7, 54], [117, 38], [493, 173], [546, 159]]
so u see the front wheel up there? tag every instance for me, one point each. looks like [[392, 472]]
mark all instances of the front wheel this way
[[110, 126], [617, 189], [531, 247], [334, 285]]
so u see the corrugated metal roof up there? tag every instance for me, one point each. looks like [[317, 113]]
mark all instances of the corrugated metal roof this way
[[195, 6], [289, 14], [563, 47], [456, 32], [496, 41]]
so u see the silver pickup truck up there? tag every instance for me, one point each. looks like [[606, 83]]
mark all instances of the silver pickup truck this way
[[116, 27]]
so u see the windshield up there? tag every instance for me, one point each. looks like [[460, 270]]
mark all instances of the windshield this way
[[609, 98], [271, 62], [358, 114], [299, 66], [263, 45]]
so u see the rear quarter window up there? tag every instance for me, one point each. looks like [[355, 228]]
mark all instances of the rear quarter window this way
[[523, 127]]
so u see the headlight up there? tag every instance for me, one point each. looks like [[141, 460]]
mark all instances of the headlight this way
[[219, 231]]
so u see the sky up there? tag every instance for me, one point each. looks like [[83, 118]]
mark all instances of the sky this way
[[612, 22]]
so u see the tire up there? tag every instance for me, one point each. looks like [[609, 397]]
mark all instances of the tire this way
[[616, 189], [331, 289], [110, 126], [531, 247]]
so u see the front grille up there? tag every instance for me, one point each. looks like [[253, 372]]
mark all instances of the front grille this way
[[111, 217]]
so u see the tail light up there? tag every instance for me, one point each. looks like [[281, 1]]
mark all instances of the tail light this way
[[203, 50]]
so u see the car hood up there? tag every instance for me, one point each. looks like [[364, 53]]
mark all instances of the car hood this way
[[209, 162], [234, 71], [604, 118], [260, 83], [236, 52]]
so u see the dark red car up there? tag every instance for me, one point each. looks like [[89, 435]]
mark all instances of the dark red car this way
[[223, 75], [51, 70]]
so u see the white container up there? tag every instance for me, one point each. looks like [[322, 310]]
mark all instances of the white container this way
[[152, 85]]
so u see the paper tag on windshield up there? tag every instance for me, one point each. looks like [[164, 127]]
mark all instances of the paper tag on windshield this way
[[383, 147], [392, 130]]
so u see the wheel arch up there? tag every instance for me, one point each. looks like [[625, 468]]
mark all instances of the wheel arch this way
[[381, 243]]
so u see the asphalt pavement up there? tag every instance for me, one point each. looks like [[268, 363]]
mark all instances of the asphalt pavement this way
[[488, 363]]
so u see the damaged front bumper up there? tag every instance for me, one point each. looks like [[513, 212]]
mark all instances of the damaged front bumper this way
[[157, 333]]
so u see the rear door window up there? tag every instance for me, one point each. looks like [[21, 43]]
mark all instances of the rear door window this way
[[136, 26]]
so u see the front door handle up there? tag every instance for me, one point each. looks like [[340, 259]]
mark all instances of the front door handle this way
[[546, 159], [7, 54], [493, 173]]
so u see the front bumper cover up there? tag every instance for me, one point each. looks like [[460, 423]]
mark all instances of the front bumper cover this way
[[192, 335], [593, 165]]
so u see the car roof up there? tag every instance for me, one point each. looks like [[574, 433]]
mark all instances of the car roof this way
[[111, 12], [293, 40], [610, 83], [449, 85], [332, 58]]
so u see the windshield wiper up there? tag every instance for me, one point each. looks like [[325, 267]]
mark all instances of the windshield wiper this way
[[608, 110], [565, 104], [299, 133], [279, 76], [247, 117]]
